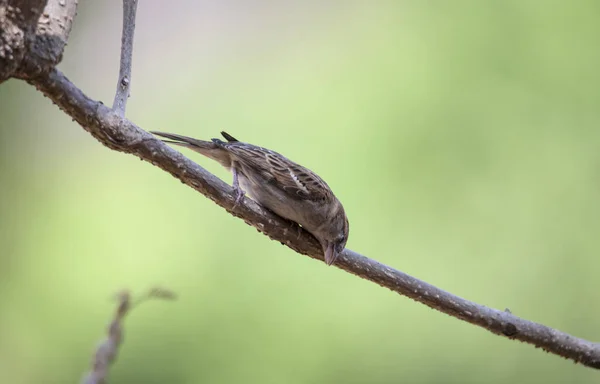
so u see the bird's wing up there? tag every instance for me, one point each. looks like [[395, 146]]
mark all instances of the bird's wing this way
[[296, 180]]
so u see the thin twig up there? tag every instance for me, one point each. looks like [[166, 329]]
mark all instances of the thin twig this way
[[124, 81], [108, 348], [122, 135]]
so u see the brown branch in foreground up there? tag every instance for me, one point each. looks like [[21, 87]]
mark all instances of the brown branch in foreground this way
[[124, 82], [108, 348], [120, 134]]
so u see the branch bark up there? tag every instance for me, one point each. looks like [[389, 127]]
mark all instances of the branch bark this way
[[124, 82], [33, 35], [51, 36], [18, 22], [116, 132]]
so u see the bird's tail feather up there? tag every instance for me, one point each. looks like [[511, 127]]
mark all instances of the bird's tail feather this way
[[207, 148], [184, 140]]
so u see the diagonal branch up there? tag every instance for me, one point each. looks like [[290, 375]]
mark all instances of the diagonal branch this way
[[124, 82], [120, 134]]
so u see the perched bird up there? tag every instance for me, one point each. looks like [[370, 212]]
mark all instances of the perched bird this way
[[280, 185]]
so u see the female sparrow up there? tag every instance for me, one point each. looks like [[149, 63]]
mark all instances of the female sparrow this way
[[280, 185]]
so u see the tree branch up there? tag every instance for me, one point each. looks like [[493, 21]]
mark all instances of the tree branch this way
[[108, 348], [52, 34], [124, 81], [33, 35], [18, 22], [120, 134]]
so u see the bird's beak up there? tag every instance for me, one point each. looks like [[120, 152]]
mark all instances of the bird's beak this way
[[329, 252]]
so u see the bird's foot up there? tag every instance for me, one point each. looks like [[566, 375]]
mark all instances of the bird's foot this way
[[239, 194], [294, 225]]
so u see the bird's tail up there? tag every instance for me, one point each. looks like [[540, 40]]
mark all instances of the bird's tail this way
[[184, 141], [209, 149]]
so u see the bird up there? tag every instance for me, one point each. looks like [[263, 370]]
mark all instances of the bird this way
[[277, 183]]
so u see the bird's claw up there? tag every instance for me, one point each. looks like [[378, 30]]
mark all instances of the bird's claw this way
[[239, 194], [293, 224], [299, 231]]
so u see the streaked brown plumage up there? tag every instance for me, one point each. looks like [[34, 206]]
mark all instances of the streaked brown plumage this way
[[280, 185]]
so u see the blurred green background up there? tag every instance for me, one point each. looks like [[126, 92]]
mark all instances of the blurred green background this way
[[462, 137]]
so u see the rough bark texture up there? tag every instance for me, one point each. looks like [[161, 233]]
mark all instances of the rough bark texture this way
[[33, 35]]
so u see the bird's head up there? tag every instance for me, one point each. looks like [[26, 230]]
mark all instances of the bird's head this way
[[336, 235]]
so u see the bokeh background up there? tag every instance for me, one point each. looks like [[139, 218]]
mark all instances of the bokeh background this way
[[462, 137]]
